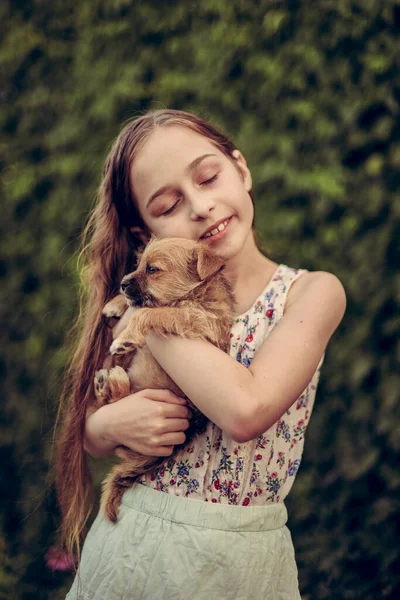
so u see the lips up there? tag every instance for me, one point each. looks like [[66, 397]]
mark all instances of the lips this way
[[216, 228]]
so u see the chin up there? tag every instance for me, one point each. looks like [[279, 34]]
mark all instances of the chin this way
[[235, 247]]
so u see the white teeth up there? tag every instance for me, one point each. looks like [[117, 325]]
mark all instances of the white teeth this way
[[220, 227]]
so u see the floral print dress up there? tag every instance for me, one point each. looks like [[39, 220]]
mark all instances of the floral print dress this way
[[215, 468]]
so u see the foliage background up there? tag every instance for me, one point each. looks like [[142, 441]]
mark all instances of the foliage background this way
[[310, 92]]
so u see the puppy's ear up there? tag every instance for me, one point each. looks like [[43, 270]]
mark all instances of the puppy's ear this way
[[138, 256], [207, 263]]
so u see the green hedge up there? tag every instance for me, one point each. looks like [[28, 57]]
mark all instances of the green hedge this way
[[310, 92]]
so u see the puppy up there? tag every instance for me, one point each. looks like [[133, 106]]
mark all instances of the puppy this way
[[179, 289]]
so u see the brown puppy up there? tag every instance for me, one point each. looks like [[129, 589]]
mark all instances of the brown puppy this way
[[180, 289]]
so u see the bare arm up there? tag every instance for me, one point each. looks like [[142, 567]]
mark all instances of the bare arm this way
[[96, 442], [247, 401]]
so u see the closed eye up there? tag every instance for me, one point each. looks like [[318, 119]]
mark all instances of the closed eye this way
[[207, 182], [210, 180], [170, 210]]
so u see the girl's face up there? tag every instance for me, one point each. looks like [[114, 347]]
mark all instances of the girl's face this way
[[185, 187]]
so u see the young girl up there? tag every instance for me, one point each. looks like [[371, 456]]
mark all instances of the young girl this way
[[210, 521]]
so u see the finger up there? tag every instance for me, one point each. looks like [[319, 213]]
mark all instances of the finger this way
[[176, 425], [178, 437], [174, 411], [164, 396], [162, 451]]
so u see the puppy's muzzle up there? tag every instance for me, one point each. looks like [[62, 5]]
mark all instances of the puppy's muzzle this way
[[130, 289]]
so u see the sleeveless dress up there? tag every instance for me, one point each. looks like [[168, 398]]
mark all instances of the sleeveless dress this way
[[210, 522]]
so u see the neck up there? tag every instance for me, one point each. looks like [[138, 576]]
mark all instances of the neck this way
[[249, 264]]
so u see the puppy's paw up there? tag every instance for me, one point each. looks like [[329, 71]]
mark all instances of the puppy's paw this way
[[101, 386], [118, 381], [122, 346], [116, 307]]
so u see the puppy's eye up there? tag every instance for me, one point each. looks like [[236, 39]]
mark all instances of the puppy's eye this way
[[151, 269]]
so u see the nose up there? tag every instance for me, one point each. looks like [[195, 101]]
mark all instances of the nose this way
[[201, 205], [129, 287]]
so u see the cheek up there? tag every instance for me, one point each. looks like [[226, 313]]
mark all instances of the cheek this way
[[174, 227], [172, 285], [159, 291], [250, 207], [246, 205], [153, 289], [156, 227]]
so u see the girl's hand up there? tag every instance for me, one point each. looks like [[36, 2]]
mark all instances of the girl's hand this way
[[150, 422]]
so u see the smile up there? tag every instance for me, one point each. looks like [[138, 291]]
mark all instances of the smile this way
[[217, 230]]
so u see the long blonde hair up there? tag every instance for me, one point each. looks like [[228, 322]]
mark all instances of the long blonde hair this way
[[108, 253]]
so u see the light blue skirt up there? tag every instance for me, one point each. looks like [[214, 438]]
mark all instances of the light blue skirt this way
[[168, 548]]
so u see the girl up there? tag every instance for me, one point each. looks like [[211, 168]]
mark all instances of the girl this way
[[210, 521]]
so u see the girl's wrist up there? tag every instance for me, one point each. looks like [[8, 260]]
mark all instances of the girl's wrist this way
[[99, 440]]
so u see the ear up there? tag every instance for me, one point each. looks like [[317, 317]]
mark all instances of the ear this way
[[142, 235], [207, 263], [243, 169], [152, 238]]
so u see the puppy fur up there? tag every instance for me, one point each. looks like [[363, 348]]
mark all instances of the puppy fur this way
[[179, 288]]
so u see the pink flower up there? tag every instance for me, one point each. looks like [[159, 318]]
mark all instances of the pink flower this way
[[59, 560], [269, 313], [246, 501]]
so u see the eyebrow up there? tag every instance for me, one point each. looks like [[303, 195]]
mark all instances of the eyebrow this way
[[189, 168]]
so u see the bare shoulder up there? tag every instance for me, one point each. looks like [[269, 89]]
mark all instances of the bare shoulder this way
[[318, 292]]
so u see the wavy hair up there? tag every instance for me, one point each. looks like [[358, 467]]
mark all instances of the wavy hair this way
[[107, 254]]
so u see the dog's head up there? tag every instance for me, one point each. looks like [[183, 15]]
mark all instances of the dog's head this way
[[169, 269]]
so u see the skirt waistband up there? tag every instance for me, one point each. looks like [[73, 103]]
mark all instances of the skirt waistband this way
[[198, 513]]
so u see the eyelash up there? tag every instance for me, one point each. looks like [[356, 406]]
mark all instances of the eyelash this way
[[208, 182]]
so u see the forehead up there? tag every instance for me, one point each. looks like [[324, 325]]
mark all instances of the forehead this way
[[167, 152]]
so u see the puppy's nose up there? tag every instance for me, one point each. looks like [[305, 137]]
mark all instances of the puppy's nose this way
[[129, 288]]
